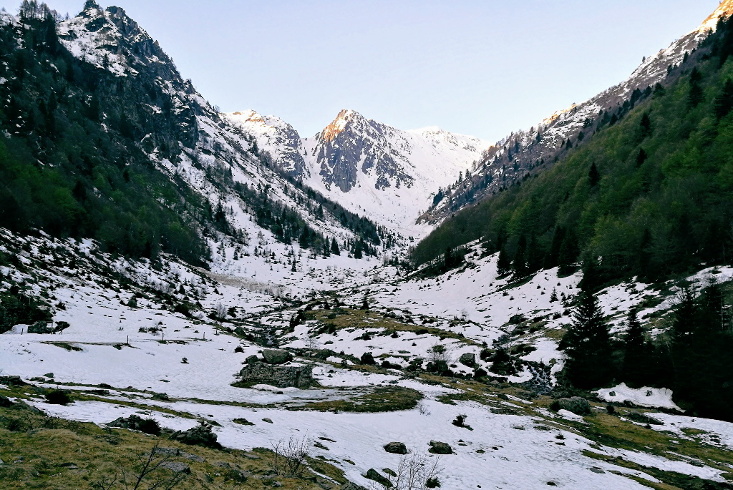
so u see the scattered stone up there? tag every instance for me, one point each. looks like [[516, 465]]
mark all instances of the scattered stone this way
[[253, 359], [468, 359], [176, 467], [320, 446], [135, 422], [396, 448], [276, 356], [201, 435], [171, 451], [596, 469], [389, 472], [374, 475], [268, 420], [437, 447]]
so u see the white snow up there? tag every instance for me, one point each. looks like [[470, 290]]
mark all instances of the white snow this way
[[643, 397]]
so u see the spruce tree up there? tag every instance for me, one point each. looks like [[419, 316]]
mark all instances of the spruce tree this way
[[587, 345], [503, 264], [637, 352], [594, 176]]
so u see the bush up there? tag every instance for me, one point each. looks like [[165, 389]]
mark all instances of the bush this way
[[58, 397], [368, 359]]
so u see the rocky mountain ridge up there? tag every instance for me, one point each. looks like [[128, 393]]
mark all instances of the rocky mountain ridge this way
[[367, 166], [526, 152]]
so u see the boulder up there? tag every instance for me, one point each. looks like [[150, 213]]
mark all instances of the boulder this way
[[396, 448], [437, 447], [252, 359], [374, 475], [276, 356], [176, 467], [468, 359]]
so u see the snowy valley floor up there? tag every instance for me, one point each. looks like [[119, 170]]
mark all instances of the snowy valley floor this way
[[167, 343]]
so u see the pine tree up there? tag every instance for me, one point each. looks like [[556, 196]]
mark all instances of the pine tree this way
[[645, 125], [503, 264], [594, 177], [724, 102], [587, 345], [519, 264], [637, 352], [335, 247], [695, 94]]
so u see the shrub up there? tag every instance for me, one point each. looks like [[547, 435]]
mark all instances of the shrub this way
[[58, 397]]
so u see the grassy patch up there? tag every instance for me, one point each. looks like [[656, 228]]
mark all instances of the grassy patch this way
[[54, 453], [342, 318], [669, 479]]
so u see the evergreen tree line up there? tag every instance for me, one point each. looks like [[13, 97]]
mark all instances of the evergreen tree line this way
[[692, 357], [650, 194]]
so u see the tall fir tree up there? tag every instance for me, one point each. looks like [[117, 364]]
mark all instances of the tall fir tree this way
[[587, 345]]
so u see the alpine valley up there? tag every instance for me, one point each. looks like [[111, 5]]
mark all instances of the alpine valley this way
[[194, 299]]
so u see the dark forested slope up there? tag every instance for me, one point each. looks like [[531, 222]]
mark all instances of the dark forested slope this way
[[651, 193]]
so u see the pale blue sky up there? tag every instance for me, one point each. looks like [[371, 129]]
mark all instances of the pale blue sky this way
[[479, 67]]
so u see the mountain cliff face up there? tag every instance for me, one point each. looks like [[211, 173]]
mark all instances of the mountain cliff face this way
[[128, 153], [368, 167], [526, 152]]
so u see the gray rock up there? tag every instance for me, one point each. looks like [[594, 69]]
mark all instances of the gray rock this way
[[374, 475], [468, 359], [276, 356], [252, 359], [396, 448], [171, 451], [437, 447], [176, 466]]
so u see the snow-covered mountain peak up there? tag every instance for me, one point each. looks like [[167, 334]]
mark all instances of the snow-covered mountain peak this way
[[275, 137], [111, 40], [344, 118]]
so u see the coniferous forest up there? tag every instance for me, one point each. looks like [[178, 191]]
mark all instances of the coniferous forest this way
[[648, 195]]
